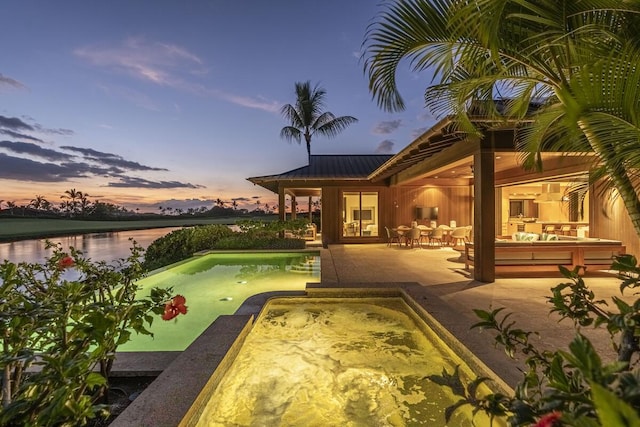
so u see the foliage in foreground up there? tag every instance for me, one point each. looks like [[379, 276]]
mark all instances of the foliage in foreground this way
[[572, 387], [60, 325], [182, 244], [576, 62]]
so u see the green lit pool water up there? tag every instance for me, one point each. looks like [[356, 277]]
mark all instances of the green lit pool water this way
[[217, 284]]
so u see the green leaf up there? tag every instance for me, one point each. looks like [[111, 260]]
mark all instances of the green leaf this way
[[558, 377], [95, 379], [611, 410], [584, 357]]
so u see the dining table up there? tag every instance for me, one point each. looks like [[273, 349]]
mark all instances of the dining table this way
[[401, 230], [446, 232]]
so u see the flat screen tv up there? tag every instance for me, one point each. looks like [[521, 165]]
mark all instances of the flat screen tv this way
[[364, 215], [424, 212]]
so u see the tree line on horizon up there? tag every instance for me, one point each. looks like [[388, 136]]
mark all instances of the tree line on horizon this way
[[76, 204]]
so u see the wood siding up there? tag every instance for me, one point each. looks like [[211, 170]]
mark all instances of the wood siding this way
[[616, 226]]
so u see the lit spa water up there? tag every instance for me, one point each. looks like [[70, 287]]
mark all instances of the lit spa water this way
[[218, 284], [337, 362]]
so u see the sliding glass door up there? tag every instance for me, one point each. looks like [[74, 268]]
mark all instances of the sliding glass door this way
[[360, 213]]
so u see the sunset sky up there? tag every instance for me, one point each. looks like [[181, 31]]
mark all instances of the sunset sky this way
[[175, 103]]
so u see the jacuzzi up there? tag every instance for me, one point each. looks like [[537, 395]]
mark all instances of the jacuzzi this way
[[327, 357]]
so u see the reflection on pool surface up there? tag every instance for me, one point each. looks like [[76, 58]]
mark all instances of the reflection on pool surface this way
[[337, 362], [218, 284]]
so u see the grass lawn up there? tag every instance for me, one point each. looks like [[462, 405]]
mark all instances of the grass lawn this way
[[12, 229]]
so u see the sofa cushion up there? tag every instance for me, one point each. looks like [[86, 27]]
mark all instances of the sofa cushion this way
[[546, 237], [525, 237]]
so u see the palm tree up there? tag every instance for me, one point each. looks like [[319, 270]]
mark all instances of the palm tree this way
[[579, 61], [11, 206], [307, 117], [71, 205], [38, 203], [84, 204]]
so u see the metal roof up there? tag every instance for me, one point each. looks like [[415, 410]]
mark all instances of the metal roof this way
[[327, 167]]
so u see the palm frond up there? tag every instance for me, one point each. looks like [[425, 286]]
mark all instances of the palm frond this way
[[291, 133], [333, 127]]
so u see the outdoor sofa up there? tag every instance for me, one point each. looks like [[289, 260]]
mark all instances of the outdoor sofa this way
[[523, 254]]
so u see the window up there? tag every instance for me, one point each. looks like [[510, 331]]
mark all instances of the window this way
[[360, 214]]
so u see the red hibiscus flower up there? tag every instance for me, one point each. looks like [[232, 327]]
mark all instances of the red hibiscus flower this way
[[66, 262], [550, 420], [174, 307]]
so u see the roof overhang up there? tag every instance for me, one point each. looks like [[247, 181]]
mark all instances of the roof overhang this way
[[444, 146]]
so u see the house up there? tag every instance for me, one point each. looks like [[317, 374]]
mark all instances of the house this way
[[445, 176]]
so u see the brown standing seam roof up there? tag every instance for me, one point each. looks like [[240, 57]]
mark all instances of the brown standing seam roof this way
[[327, 167]]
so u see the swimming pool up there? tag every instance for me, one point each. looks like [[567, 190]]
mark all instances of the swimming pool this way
[[217, 284]]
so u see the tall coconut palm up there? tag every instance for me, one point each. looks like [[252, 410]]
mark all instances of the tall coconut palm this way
[[306, 116], [579, 60], [73, 197]]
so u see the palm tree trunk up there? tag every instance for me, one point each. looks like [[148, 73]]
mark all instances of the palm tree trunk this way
[[619, 177], [307, 138]]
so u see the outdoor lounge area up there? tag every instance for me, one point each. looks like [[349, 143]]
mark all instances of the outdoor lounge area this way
[[535, 256]]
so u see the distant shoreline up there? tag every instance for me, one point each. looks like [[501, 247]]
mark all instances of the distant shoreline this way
[[16, 229]]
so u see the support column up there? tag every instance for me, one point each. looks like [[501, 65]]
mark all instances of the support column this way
[[484, 214], [293, 207], [282, 207], [310, 211]]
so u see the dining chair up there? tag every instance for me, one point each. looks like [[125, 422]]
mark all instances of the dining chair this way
[[425, 232], [565, 230], [436, 235], [468, 233], [392, 236], [459, 234], [413, 236], [550, 229]]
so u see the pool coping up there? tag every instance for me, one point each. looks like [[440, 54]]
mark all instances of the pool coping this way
[[169, 400]]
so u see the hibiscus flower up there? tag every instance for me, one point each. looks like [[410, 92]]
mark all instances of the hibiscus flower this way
[[174, 307], [66, 262], [550, 420]]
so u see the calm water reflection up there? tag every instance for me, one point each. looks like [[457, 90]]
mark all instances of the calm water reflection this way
[[97, 246]]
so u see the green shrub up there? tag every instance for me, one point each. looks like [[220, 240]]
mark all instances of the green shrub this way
[[273, 228], [572, 387], [79, 312], [182, 244], [244, 241]]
